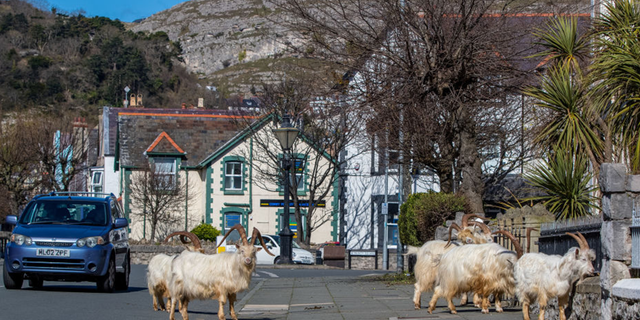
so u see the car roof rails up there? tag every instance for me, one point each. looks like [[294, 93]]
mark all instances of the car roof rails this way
[[80, 194]]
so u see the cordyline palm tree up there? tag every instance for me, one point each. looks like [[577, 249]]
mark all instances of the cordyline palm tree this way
[[615, 73], [570, 132], [565, 178], [563, 93], [568, 125]]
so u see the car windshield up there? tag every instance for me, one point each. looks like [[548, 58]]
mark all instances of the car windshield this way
[[65, 212]]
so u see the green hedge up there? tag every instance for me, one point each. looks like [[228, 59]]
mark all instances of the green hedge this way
[[206, 232], [422, 213]]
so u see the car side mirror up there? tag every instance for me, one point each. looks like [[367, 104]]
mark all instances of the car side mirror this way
[[121, 223], [12, 220]]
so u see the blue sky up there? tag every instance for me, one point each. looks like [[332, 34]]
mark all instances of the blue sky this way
[[125, 10]]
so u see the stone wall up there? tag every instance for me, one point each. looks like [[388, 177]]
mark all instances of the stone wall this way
[[619, 192], [141, 254], [368, 263]]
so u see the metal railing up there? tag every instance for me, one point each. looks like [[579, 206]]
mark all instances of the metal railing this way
[[554, 240]]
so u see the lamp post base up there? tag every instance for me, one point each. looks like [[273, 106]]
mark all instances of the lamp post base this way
[[286, 247]]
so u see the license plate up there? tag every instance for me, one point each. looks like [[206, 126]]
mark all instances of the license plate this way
[[53, 253]]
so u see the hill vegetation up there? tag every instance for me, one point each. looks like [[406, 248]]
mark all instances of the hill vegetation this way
[[57, 62]]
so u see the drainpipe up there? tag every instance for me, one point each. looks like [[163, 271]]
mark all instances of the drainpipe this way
[[250, 175], [186, 201]]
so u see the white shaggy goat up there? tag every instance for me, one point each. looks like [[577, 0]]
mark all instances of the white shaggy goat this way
[[541, 277], [197, 276], [159, 270], [482, 268], [429, 254]]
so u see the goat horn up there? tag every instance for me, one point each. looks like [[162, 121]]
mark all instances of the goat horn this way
[[453, 226], [241, 231], [256, 235], [482, 226], [465, 219], [183, 238], [583, 245], [529, 229], [514, 241], [583, 239]]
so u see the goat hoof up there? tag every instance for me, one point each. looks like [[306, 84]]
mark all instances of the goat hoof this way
[[454, 312], [485, 311]]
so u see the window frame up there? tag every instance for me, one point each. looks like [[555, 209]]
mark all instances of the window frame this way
[[171, 175]]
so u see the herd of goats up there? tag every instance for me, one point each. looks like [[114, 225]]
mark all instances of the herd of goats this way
[[472, 264]]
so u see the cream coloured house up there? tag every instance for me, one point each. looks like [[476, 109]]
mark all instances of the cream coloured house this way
[[222, 162]]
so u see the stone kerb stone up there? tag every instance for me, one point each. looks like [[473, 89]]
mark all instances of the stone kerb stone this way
[[627, 289], [613, 177]]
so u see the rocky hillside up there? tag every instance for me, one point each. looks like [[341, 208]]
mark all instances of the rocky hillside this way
[[233, 43]]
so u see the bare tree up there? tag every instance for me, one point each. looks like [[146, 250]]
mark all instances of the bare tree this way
[[19, 174], [327, 125], [160, 198], [62, 147], [431, 70]]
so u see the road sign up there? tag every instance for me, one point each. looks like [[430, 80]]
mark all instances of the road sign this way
[[385, 209]]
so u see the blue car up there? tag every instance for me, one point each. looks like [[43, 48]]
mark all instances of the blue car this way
[[70, 236]]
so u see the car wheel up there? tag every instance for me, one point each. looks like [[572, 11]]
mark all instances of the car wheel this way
[[122, 279], [12, 280], [36, 283], [277, 260], [106, 283]]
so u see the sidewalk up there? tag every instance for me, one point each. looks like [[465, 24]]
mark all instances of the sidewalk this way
[[347, 298]]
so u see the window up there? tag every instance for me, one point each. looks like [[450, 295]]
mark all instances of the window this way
[[233, 176], [96, 181], [165, 173], [230, 220], [298, 168]]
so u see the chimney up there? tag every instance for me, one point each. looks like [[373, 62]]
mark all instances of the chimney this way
[[132, 100]]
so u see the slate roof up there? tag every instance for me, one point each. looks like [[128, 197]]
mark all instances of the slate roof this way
[[193, 133]]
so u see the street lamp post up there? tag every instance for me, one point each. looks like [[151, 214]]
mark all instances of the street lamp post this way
[[286, 135]]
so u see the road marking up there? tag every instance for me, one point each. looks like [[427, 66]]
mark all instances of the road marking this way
[[265, 307], [272, 275]]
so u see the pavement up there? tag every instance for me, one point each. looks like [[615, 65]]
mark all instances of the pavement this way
[[365, 297]]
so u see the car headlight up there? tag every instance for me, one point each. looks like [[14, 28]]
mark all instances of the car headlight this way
[[20, 239], [90, 242]]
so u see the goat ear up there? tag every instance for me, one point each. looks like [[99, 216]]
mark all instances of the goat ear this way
[[577, 253], [237, 246], [258, 249]]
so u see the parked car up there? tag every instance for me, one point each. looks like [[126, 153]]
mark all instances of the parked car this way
[[299, 255], [69, 236]]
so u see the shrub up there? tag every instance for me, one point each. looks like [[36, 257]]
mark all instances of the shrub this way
[[206, 232], [422, 213]]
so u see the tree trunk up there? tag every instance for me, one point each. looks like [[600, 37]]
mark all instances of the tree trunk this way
[[472, 186]]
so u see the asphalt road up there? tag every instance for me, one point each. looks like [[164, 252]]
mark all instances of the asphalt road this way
[[81, 300]]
